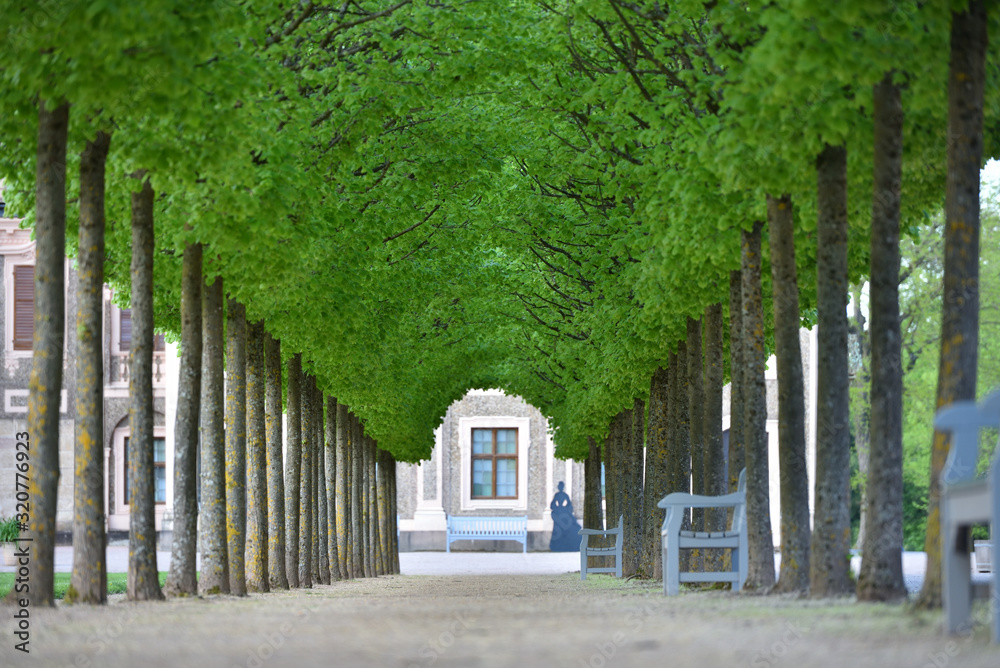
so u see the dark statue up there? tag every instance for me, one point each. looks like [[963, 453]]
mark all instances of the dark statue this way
[[565, 528]]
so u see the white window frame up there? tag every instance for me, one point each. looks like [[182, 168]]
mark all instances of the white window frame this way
[[465, 427], [120, 508]]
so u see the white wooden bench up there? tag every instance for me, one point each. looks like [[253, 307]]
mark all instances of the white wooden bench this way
[[675, 540], [966, 501], [587, 551], [487, 528]]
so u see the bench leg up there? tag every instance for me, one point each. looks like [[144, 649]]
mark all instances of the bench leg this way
[[583, 558], [672, 570], [957, 585], [447, 546]]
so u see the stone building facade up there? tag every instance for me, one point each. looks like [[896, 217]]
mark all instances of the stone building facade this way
[[452, 483], [17, 259]]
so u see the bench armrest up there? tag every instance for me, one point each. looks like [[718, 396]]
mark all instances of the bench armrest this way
[[685, 500], [598, 532]]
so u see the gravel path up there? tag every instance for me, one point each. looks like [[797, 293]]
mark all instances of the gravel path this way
[[492, 620]]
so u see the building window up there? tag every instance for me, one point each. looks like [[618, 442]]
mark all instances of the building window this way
[[494, 463], [125, 333], [159, 469], [24, 306]]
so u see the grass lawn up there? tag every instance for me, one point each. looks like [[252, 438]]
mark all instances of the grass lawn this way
[[116, 583]]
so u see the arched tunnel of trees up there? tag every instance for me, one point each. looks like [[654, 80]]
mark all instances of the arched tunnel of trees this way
[[352, 212]]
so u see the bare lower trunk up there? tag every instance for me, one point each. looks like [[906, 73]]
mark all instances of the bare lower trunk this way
[[236, 445], [384, 524], [370, 509], [182, 579], [655, 487], [881, 576], [256, 538], [860, 382], [277, 576], [634, 438], [322, 498], [592, 515], [960, 316], [293, 470], [737, 391], [357, 533], [760, 572], [343, 493], [42, 437], [332, 499], [214, 550], [393, 515], [89, 583], [793, 474], [373, 522], [696, 417], [305, 488], [143, 578], [831, 538], [714, 460]]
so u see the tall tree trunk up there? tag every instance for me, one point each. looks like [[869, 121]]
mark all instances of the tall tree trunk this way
[[183, 579], [760, 571], [256, 533], [143, 578], [393, 515], [860, 413], [214, 551], [715, 477], [293, 471], [696, 401], [793, 473], [370, 492], [46, 378], [322, 498], [610, 481], [655, 488], [236, 444], [680, 442], [357, 534], [89, 583], [592, 515], [632, 488], [375, 520], [343, 493], [332, 510], [960, 315], [384, 523], [305, 488], [737, 388], [277, 576], [831, 538], [881, 576]]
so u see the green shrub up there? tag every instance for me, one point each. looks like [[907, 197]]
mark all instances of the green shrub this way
[[8, 530]]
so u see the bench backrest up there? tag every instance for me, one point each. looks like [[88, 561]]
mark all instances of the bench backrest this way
[[488, 525], [964, 419]]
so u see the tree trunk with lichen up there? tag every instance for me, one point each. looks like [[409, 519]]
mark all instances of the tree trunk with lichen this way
[[960, 317], [357, 535], [293, 469], [343, 487], [214, 577], [714, 458], [182, 580], [277, 577], [256, 535], [236, 444], [143, 578], [794, 476], [696, 413], [322, 498], [332, 511], [737, 398], [760, 570], [88, 583], [305, 488], [654, 487], [831, 538]]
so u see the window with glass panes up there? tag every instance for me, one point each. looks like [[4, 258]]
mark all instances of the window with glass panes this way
[[494, 463], [159, 469]]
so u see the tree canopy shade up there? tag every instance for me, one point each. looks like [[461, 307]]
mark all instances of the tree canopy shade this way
[[422, 198]]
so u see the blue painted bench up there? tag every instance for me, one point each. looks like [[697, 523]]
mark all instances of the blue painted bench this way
[[675, 540], [613, 551], [487, 528], [967, 500]]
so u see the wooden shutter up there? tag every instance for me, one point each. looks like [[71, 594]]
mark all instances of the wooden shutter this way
[[125, 330], [24, 306]]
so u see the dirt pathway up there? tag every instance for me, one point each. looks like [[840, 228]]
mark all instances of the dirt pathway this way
[[524, 620]]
